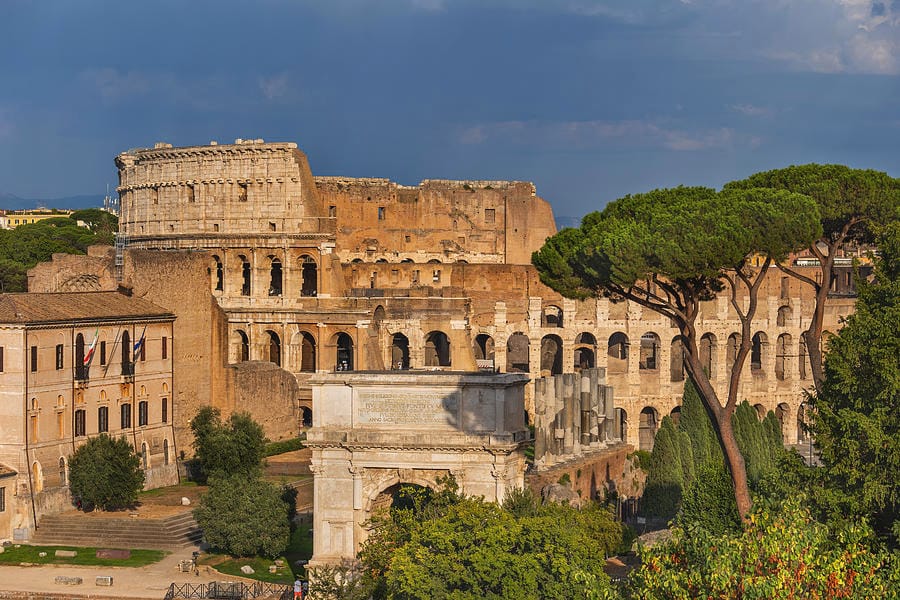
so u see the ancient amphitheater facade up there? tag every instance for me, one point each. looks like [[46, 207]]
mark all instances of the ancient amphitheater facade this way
[[317, 274]]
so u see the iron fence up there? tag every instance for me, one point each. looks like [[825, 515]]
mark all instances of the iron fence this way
[[228, 590]]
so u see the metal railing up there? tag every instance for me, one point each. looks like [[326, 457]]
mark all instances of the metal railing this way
[[230, 590]]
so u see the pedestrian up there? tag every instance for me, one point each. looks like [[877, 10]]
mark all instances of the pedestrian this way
[[298, 589]]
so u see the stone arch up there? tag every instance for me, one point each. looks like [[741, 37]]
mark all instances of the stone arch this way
[[378, 316], [784, 316], [676, 359], [391, 481], [617, 353], [218, 274], [518, 353], [551, 316], [276, 276], [585, 353], [731, 350], [675, 414], [649, 357], [621, 424], [399, 351], [274, 354], [551, 354], [759, 349], [782, 357], [760, 411], [309, 276], [241, 343], [647, 426], [483, 347], [246, 275], [437, 349], [783, 413], [343, 352], [708, 354]]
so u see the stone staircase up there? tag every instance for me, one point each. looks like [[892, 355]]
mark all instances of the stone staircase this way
[[174, 531]]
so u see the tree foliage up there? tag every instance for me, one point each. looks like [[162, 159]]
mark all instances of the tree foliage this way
[[666, 479], [445, 545], [105, 472], [855, 418], [25, 246], [669, 250], [244, 516], [780, 554], [852, 203], [234, 447]]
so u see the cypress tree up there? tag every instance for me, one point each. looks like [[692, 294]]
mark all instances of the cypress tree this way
[[665, 479], [695, 422]]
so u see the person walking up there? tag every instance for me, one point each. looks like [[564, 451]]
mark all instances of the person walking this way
[[298, 589]]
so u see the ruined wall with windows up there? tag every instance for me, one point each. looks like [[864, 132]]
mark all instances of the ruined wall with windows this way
[[333, 274]]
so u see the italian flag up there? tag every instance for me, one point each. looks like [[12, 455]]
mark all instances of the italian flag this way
[[89, 355]]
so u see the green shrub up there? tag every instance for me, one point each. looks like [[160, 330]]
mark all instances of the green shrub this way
[[106, 473], [282, 446]]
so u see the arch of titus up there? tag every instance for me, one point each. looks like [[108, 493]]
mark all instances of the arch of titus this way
[[376, 430], [279, 276]]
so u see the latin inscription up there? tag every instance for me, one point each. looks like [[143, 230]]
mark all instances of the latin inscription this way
[[413, 408]]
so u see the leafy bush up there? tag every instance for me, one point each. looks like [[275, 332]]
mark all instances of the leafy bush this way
[[782, 553], [282, 446], [236, 447], [244, 517], [709, 501], [106, 473]]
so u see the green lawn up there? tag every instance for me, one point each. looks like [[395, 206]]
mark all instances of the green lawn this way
[[300, 548], [86, 557]]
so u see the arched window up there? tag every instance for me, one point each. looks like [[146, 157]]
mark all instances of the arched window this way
[[782, 354], [307, 352], [649, 359], [784, 316], [484, 351], [649, 422], [274, 347], [437, 349], [378, 316], [243, 346], [617, 353], [309, 276], [676, 360], [81, 370], [344, 352], [37, 477], [219, 277], [307, 416], [551, 355], [127, 365], [275, 277], [708, 354], [585, 351], [399, 351], [731, 350], [517, 353], [552, 316], [675, 413], [245, 275], [758, 349], [760, 411]]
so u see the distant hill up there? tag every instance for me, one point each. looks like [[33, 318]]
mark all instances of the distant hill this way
[[12, 202]]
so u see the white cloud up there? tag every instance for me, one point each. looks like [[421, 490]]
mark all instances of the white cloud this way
[[582, 134], [113, 85], [274, 87]]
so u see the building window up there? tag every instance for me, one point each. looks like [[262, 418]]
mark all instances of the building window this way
[[381, 213], [2, 499], [126, 416], [60, 425], [436, 276], [79, 423], [34, 426], [103, 419], [165, 410], [102, 353], [33, 359], [165, 347], [489, 215], [1, 359], [332, 211], [59, 357], [142, 413], [242, 192]]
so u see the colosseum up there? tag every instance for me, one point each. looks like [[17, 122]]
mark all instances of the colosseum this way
[[318, 274]]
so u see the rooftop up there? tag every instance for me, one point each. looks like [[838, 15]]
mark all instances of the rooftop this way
[[28, 308]]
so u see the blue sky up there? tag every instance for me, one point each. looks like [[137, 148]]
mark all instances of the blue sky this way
[[589, 99]]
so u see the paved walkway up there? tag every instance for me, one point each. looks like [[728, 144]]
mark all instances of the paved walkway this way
[[150, 582]]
